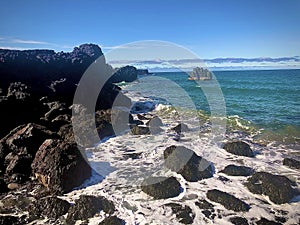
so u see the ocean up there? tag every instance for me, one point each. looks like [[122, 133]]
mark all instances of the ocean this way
[[262, 100]]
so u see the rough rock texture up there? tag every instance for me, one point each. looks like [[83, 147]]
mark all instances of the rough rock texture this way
[[184, 214], [51, 207], [187, 163], [87, 206], [292, 163], [140, 130], [233, 170], [126, 73], [206, 208], [238, 220], [60, 166], [161, 187], [112, 220], [11, 220], [228, 201], [180, 128], [264, 221], [279, 188], [239, 148]]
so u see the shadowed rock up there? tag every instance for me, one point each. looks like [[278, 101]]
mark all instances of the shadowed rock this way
[[238, 220], [183, 213], [112, 220], [227, 200], [180, 128], [264, 221], [187, 163], [279, 188], [239, 148], [292, 163], [161, 187]]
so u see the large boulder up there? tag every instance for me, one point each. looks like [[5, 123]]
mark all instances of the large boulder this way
[[227, 200], [87, 206], [112, 220], [126, 73], [60, 166], [278, 188], [233, 170], [161, 187], [187, 163], [239, 148]]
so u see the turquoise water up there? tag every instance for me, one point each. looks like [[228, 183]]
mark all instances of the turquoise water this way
[[269, 99]]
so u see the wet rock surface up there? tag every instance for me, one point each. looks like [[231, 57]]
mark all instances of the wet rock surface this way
[[112, 220], [238, 220], [184, 214], [227, 200], [239, 148], [278, 188], [292, 163], [233, 170], [161, 187], [187, 163]]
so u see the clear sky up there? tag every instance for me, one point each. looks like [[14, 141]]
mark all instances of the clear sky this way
[[211, 28]]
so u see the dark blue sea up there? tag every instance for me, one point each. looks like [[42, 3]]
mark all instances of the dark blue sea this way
[[269, 100]]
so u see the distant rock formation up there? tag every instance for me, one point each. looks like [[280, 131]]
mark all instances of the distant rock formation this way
[[200, 73], [142, 71]]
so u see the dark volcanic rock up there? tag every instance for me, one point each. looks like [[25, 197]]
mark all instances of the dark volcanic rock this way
[[264, 221], [3, 186], [238, 220], [239, 148], [292, 163], [187, 163], [279, 188], [228, 201], [60, 166], [126, 73], [180, 128], [11, 220], [184, 214], [161, 187], [233, 170], [112, 220], [140, 130], [51, 207], [87, 206]]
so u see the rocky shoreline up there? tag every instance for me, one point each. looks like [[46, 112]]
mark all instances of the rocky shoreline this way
[[42, 163]]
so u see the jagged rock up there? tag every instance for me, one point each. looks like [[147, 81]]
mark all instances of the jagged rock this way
[[239, 148], [161, 187], [233, 170], [112, 220], [183, 213], [206, 208], [141, 117], [87, 206], [264, 221], [238, 220], [11, 220], [18, 164], [126, 73], [279, 188], [140, 130], [51, 207], [60, 166], [292, 163], [187, 163], [227, 200], [180, 128]]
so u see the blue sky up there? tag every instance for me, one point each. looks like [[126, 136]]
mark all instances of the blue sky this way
[[212, 28]]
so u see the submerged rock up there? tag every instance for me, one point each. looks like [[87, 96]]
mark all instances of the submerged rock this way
[[60, 166], [239, 148], [87, 206], [112, 220], [187, 163], [227, 200], [161, 187], [183, 213], [233, 170], [279, 188], [292, 163]]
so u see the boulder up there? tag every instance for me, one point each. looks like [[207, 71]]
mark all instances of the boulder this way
[[278, 188], [180, 128], [154, 124], [60, 166], [140, 130], [161, 187], [233, 170], [239, 220], [227, 200], [87, 206], [51, 207], [239, 148], [187, 163], [264, 221], [112, 220], [292, 163], [126, 73], [184, 213]]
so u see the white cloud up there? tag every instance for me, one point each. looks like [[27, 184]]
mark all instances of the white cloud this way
[[20, 41]]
